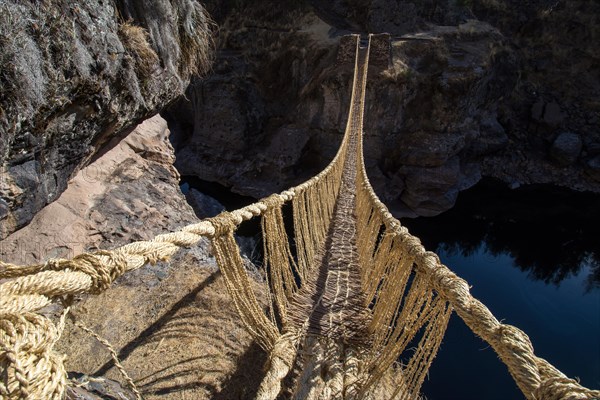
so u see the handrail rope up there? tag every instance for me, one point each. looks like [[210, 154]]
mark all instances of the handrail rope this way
[[32, 287], [533, 375], [284, 350], [186, 236], [105, 266]]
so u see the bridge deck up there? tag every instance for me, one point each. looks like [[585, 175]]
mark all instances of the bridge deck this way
[[332, 303]]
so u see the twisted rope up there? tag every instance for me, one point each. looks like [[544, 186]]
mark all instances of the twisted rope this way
[[114, 356], [279, 365], [536, 378], [29, 366]]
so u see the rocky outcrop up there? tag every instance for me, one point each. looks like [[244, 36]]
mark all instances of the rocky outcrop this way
[[396, 17], [450, 105], [593, 168], [75, 75], [95, 388], [204, 206], [274, 109], [558, 92], [566, 148], [173, 323], [129, 193]]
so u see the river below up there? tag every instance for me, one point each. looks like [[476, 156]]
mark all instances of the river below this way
[[532, 256]]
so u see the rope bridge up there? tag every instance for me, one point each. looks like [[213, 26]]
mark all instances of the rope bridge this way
[[358, 308]]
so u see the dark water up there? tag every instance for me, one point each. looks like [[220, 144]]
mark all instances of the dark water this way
[[230, 201], [532, 256]]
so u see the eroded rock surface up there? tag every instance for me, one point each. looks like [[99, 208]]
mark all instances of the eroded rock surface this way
[[73, 75]]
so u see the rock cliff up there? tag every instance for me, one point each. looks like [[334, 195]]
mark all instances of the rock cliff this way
[[450, 104], [553, 113], [73, 75]]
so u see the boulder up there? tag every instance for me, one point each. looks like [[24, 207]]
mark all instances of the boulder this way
[[93, 388], [553, 115], [566, 148], [430, 191], [492, 138], [550, 114], [537, 110], [593, 168], [204, 206]]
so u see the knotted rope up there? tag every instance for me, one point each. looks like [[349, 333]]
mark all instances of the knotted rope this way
[[29, 366]]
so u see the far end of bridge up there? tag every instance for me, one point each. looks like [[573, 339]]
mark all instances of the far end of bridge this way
[[380, 51]]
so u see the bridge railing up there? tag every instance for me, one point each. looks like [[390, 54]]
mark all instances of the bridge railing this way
[[29, 365], [389, 253]]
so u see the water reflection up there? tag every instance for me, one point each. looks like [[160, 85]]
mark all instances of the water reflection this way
[[549, 232]]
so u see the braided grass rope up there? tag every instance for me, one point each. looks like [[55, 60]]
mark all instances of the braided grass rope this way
[[407, 294], [115, 358], [536, 378]]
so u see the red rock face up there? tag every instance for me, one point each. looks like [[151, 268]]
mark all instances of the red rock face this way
[[129, 193], [172, 319]]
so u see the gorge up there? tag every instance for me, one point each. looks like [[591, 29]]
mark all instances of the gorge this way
[[482, 133]]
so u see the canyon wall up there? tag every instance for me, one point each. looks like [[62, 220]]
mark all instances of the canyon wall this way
[[465, 93], [74, 75]]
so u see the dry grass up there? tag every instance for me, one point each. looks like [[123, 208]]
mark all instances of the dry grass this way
[[401, 74], [183, 38], [196, 38], [135, 39]]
